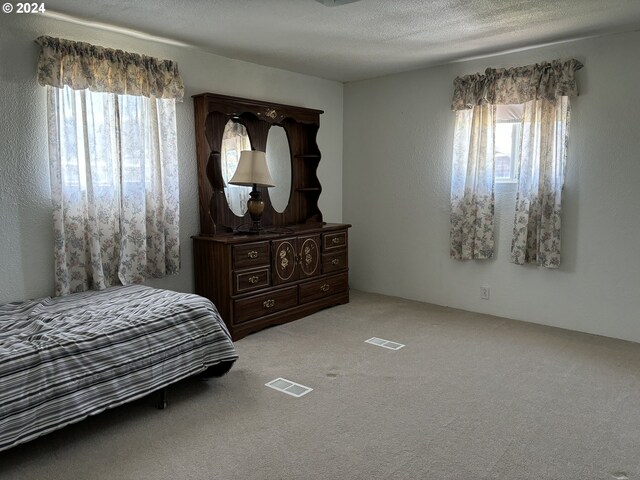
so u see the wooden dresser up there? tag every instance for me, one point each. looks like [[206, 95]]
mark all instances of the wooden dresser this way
[[258, 281], [299, 264]]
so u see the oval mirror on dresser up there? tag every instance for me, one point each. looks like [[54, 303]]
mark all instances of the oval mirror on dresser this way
[[234, 139], [279, 162]]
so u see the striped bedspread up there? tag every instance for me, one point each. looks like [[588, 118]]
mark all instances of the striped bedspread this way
[[62, 359]]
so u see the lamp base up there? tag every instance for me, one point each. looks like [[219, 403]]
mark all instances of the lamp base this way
[[255, 207]]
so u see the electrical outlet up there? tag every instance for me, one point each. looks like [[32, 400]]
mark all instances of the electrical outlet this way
[[485, 291]]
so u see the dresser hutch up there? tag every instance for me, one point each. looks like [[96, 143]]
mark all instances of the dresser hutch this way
[[298, 264]]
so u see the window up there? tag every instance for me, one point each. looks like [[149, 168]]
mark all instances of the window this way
[[114, 187], [113, 163], [511, 124], [507, 142], [507, 150]]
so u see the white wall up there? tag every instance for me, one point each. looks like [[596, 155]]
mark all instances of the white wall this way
[[26, 237], [397, 164]]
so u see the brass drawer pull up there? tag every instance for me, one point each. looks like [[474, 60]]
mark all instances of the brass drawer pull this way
[[336, 240], [252, 254], [254, 279], [268, 303], [325, 287], [335, 261]]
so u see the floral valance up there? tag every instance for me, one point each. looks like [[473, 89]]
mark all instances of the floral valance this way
[[500, 86], [84, 66]]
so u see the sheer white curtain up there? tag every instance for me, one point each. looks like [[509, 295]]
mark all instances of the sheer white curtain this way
[[544, 89], [536, 230], [472, 183], [113, 166]]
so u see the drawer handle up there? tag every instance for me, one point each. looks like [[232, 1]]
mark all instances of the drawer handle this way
[[252, 254], [254, 279], [335, 261], [268, 303], [336, 240], [325, 287]]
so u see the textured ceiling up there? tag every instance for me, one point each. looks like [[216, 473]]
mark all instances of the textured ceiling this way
[[365, 39]]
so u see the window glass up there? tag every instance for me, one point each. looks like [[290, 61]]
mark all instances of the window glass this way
[[507, 142]]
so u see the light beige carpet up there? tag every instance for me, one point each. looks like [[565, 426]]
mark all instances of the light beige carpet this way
[[469, 397]]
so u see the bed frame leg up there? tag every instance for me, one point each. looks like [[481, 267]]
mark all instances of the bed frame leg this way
[[162, 400]]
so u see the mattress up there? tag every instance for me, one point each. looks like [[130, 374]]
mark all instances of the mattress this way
[[65, 358]]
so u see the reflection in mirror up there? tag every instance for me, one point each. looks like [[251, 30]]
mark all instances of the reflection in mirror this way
[[234, 139], [279, 162]]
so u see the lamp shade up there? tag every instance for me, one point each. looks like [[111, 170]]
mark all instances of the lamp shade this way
[[252, 169]]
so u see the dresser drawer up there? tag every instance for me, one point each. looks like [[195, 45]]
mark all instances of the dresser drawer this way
[[251, 255], [334, 240], [323, 288], [254, 307], [248, 280], [332, 262]]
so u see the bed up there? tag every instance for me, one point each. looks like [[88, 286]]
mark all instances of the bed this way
[[65, 358]]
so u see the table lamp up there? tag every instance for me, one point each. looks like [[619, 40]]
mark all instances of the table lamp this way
[[253, 171]]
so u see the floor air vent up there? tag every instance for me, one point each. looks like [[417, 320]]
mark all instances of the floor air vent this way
[[287, 386], [380, 342]]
